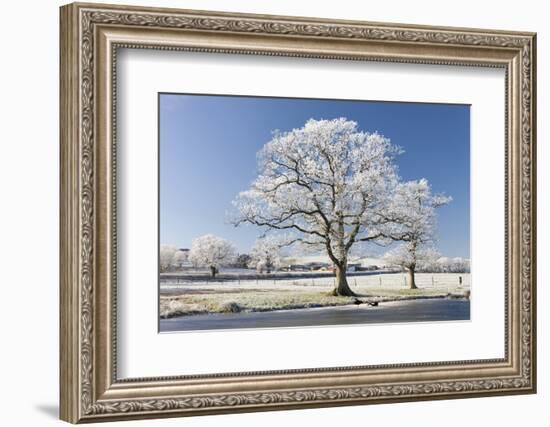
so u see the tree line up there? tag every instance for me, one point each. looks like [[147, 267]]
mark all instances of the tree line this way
[[213, 252]]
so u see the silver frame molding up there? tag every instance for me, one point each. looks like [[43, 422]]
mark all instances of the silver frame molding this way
[[90, 37]]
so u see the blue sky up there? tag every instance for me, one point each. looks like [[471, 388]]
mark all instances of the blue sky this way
[[208, 147]]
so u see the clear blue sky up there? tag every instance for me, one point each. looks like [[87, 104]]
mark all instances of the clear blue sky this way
[[208, 147]]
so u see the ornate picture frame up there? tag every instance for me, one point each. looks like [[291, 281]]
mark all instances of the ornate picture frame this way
[[90, 37]]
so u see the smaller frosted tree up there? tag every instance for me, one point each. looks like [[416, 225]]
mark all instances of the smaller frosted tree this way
[[212, 252], [166, 256], [411, 219], [180, 258], [242, 261], [265, 255], [410, 257], [452, 265]]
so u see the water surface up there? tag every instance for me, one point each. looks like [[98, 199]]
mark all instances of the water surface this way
[[422, 310]]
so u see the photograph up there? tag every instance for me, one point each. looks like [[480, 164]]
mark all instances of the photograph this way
[[278, 209], [299, 212]]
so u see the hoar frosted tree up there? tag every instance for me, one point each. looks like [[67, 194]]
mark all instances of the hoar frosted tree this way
[[180, 258], [326, 184], [167, 255], [212, 252], [265, 255], [410, 256], [411, 218], [452, 265]]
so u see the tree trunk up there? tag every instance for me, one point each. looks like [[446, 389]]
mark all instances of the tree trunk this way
[[213, 270], [342, 287], [412, 284]]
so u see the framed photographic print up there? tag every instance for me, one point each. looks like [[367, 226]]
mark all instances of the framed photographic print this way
[[265, 212]]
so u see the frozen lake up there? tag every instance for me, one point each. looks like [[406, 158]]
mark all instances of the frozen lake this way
[[422, 310]]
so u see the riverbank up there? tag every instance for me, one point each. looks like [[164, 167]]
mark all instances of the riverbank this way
[[210, 301]]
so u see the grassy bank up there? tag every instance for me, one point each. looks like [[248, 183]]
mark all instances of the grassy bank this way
[[234, 300]]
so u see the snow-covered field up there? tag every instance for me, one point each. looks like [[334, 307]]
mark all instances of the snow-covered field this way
[[359, 282]]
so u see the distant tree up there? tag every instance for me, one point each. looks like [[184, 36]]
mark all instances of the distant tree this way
[[411, 218], [452, 265], [410, 257], [461, 265], [325, 183], [265, 255], [242, 261], [212, 252], [180, 257], [166, 256]]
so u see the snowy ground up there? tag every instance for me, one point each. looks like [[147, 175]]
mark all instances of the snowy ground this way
[[251, 294], [358, 282]]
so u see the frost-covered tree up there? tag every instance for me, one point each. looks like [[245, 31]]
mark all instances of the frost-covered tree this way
[[325, 184], [411, 218], [242, 261], [180, 257], [452, 265], [166, 256], [212, 252], [410, 257], [265, 255]]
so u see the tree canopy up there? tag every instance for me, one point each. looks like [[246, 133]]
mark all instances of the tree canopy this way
[[325, 184]]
